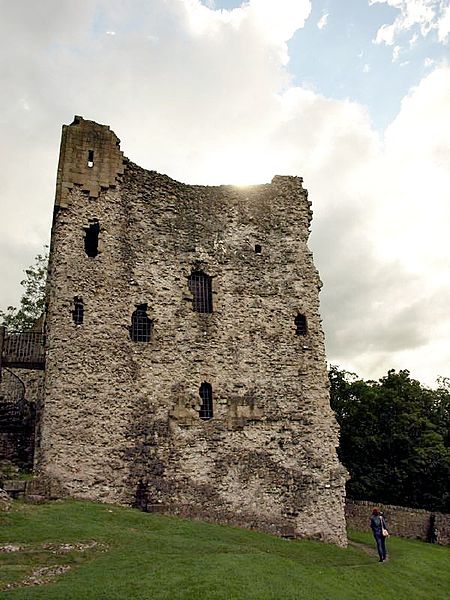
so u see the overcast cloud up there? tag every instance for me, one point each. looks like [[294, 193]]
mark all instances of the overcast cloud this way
[[207, 97]]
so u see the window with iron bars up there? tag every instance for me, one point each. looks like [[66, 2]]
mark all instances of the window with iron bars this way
[[201, 287], [78, 310], [206, 407], [141, 326], [300, 324]]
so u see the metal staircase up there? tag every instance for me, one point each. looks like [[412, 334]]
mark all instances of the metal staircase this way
[[24, 350]]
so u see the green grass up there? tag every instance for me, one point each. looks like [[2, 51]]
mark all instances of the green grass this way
[[158, 557]]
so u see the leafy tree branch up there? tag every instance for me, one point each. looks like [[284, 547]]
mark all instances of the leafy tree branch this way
[[33, 299], [395, 438]]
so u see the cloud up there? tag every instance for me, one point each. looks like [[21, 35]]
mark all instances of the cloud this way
[[323, 21], [276, 22], [426, 15], [413, 40], [205, 96], [443, 25], [396, 53]]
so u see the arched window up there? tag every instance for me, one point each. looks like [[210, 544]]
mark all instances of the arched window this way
[[301, 325], [78, 310], [141, 325], [201, 288], [206, 407]]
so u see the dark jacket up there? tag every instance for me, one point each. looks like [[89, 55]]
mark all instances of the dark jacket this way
[[377, 522]]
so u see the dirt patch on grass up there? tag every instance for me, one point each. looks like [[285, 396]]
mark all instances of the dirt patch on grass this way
[[11, 548], [366, 549], [54, 548], [41, 575], [80, 547]]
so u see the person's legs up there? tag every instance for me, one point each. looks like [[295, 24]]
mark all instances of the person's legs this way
[[380, 543], [383, 547]]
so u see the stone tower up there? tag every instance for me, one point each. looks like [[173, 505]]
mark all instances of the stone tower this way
[[185, 355]]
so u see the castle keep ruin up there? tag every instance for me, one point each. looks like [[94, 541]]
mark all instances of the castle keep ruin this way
[[185, 363]]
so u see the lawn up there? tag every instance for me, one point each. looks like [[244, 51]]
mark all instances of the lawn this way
[[87, 551]]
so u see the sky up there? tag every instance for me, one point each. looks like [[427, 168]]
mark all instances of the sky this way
[[353, 96]]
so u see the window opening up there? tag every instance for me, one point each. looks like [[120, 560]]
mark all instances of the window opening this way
[[141, 496], [300, 324], [206, 407], [90, 158], [78, 310], [258, 248], [201, 288], [91, 239], [141, 326]]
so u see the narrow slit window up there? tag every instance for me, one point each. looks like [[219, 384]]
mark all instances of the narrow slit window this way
[[301, 327], [78, 310], [206, 407], [141, 496], [90, 162], [141, 326], [258, 248], [91, 239], [201, 287]]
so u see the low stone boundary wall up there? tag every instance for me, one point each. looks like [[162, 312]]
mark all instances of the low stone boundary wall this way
[[402, 521]]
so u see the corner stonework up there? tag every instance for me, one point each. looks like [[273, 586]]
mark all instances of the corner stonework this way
[[90, 158]]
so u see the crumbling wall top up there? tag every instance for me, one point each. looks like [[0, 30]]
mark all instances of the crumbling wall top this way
[[90, 158]]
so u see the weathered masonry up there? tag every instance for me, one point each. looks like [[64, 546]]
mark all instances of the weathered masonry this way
[[22, 363], [185, 366]]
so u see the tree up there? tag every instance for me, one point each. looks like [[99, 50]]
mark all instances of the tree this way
[[394, 438], [33, 299]]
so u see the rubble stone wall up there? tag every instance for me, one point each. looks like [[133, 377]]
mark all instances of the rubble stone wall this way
[[34, 384], [401, 520], [119, 412]]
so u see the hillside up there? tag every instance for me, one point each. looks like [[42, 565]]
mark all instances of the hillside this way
[[77, 550]]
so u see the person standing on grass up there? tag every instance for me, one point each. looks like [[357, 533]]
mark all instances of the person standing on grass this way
[[378, 527]]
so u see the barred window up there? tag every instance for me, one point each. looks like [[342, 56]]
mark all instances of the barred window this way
[[201, 288], [206, 407], [300, 324], [91, 239], [141, 326], [78, 310]]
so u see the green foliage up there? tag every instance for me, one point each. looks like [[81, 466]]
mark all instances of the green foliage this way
[[156, 557], [33, 299], [394, 438]]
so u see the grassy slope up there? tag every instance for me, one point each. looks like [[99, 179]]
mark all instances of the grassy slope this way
[[156, 557]]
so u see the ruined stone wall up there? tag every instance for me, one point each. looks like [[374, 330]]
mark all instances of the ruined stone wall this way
[[34, 384], [401, 520], [118, 411], [34, 381]]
